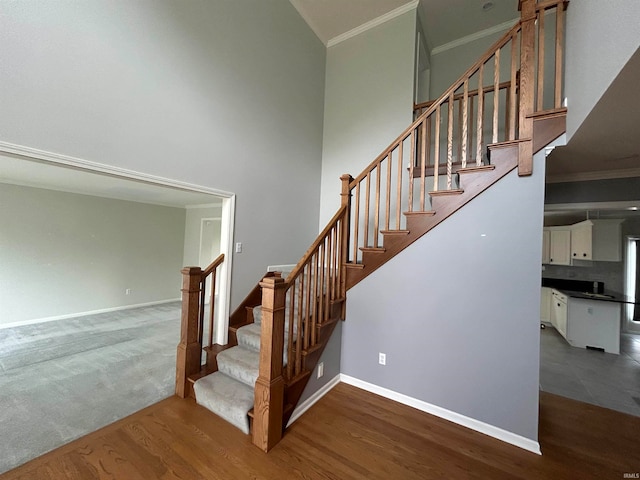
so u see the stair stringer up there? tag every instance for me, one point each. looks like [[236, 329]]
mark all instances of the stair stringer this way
[[503, 156]]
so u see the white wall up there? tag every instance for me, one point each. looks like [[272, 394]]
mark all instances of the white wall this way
[[224, 94], [457, 313], [602, 35], [368, 101], [193, 225], [64, 253]]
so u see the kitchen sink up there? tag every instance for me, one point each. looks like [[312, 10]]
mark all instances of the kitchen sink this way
[[597, 295]]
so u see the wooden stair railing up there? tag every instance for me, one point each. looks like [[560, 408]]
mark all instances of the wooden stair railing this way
[[192, 343], [388, 206], [494, 101], [302, 309]]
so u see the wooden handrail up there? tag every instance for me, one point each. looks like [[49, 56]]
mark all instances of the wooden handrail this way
[[459, 96], [215, 264], [305, 258]]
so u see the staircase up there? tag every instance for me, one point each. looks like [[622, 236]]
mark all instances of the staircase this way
[[490, 122]]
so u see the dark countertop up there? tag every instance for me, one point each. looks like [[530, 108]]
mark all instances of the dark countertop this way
[[582, 290]]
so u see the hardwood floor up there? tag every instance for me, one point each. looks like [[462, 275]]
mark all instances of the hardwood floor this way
[[348, 434]]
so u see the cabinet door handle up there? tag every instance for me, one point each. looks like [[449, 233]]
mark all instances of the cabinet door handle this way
[[575, 254], [558, 304], [584, 254]]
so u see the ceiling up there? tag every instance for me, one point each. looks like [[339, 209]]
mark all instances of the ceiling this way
[[444, 20], [20, 171]]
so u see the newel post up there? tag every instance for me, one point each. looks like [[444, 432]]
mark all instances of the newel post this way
[[527, 86], [345, 201], [269, 390], [189, 348]]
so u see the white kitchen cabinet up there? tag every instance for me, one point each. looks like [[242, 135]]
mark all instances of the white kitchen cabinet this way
[[559, 246], [545, 305], [559, 312], [598, 240], [546, 244], [594, 324]]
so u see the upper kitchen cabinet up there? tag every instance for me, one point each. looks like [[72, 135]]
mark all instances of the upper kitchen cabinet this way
[[559, 245], [546, 245], [598, 240]]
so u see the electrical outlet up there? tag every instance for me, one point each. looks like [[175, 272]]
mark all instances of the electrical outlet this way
[[239, 247], [127, 291], [382, 358], [320, 369]]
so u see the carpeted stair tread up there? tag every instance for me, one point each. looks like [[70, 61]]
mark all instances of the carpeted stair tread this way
[[249, 338], [225, 397], [240, 363]]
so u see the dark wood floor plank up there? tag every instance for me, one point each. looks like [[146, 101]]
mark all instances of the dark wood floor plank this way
[[349, 434]]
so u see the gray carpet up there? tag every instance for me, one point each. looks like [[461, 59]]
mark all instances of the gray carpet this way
[[61, 380]]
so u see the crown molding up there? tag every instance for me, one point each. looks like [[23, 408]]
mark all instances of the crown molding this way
[[595, 175], [373, 23], [474, 36]]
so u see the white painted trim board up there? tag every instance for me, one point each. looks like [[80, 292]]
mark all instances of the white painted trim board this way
[[309, 402], [471, 423], [84, 314]]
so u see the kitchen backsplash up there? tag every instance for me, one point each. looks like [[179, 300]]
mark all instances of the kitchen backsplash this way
[[611, 273]]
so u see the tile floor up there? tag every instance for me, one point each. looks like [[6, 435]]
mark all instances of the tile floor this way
[[604, 379]]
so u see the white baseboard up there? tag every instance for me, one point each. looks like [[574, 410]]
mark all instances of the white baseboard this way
[[309, 402], [473, 424], [83, 314]]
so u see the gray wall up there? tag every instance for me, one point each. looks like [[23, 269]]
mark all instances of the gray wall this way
[[225, 94], [64, 253], [612, 190], [447, 66], [368, 101], [601, 37], [457, 313]]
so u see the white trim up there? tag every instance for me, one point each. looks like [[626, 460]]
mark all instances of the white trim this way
[[373, 23], [227, 215], [622, 205], [84, 314], [596, 175], [473, 424], [281, 268], [81, 164], [203, 205], [474, 36], [309, 402]]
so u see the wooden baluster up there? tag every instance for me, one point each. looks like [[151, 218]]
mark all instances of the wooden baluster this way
[[464, 120], [290, 354], [343, 244], [436, 151], [388, 195], [411, 163], [329, 285], [496, 95], [269, 389], [423, 165], [470, 129], [450, 141], [540, 94], [318, 290], [480, 115], [212, 306], [307, 311], [511, 90], [376, 215], [189, 352], [298, 360], [428, 121], [460, 128], [527, 87], [356, 224], [203, 287], [559, 45], [399, 192], [366, 210]]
